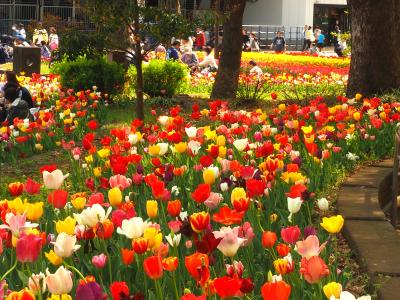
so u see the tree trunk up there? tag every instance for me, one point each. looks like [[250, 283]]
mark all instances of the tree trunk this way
[[375, 57], [226, 82], [216, 29], [178, 7], [138, 64]]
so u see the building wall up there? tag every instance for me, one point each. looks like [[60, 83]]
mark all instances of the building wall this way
[[263, 12]]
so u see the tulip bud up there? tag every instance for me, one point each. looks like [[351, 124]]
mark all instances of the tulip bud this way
[[323, 204], [115, 196]]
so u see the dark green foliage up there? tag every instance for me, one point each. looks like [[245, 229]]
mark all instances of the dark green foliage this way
[[79, 43], [84, 73], [161, 78]]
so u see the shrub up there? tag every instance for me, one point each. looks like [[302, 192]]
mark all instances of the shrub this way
[[161, 78], [83, 73]]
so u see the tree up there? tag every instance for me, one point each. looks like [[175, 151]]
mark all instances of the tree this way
[[375, 56], [129, 26], [226, 81]]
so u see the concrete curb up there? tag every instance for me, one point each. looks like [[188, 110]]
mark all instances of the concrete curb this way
[[367, 229]]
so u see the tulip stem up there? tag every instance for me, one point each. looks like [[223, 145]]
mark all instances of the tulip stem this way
[[175, 287], [76, 270], [158, 290], [10, 270]]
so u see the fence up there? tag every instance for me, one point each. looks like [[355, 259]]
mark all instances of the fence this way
[[266, 33], [27, 11]]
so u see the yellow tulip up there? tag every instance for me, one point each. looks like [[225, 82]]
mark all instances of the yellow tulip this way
[[307, 129], [222, 151], [79, 202], [103, 153], [39, 147], [282, 107], [358, 97], [153, 237], [221, 140], [67, 121], [333, 224], [209, 176], [67, 226], [237, 194], [357, 116], [332, 289], [97, 172], [154, 150], [34, 211], [115, 196], [210, 134], [89, 159], [181, 147], [152, 208], [53, 258], [60, 297]]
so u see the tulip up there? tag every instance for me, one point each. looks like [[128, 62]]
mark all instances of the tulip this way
[[119, 181], [323, 204], [241, 144], [34, 211], [115, 196], [227, 287], [230, 242], [294, 205], [32, 187], [132, 228], [119, 290], [268, 239], [153, 267], [174, 239], [127, 256], [170, 263], [53, 180], [67, 226], [60, 282], [24, 294], [140, 245], [154, 238], [152, 208], [181, 147], [65, 245], [332, 289], [53, 258], [36, 283], [28, 248], [290, 234], [92, 215], [174, 208], [199, 221], [313, 269], [58, 198], [333, 224], [213, 200], [15, 188], [99, 261], [278, 290], [309, 247], [197, 265], [89, 290]]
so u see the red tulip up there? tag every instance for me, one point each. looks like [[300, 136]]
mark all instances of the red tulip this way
[[28, 248], [227, 287], [201, 193], [255, 187], [282, 250], [199, 221], [290, 234], [15, 188], [58, 198], [279, 290], [32, 187], [193, 297], [313, 269], [174, 208], [140, 245], [153, 267], [228, 216], [119, 290], [127, 256], [92, 125]]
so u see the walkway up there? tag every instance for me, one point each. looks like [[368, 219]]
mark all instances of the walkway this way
[[368, 231]]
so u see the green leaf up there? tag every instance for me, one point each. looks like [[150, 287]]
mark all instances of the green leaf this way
[[22, 276]]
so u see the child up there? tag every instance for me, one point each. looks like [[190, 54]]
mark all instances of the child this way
[[255, 70], [44, 51], [279, 43], [15, 106], [321, 40]]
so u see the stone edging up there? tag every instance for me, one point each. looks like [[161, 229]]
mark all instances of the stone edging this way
[[367, 229]]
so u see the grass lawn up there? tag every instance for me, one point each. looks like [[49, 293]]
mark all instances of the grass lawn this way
[[44, 67]]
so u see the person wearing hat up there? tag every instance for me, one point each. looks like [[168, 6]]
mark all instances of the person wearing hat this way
[[173, 51]]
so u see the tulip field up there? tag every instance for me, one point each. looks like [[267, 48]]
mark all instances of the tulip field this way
[[211, 203]]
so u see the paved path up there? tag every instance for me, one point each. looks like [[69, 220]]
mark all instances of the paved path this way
[[368, 231]]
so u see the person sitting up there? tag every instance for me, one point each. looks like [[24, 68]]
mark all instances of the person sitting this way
[[24, 93], [160, 51], [44, 51], [208, 64], [189, 58], [279, 43], [255, 70], [15, 106], [173, 51]]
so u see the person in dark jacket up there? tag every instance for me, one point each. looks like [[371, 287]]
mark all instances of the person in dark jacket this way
[[23, 92], [15, 106]]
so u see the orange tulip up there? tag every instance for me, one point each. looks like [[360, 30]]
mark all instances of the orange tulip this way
[[153, 267], [197, 265], [127, 256], [268, 239], [278, 290], [170, 263], [140, 245], [15, 188], [174, 208], [104, 230]]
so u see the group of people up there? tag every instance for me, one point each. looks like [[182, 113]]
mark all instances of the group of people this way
[[40, 38], [182, 51], [314, 41], [15, 100]]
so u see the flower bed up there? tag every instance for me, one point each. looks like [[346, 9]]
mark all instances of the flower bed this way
[[218, 204], [62, 116]]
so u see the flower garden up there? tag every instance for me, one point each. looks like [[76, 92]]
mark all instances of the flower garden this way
[[210, 203]]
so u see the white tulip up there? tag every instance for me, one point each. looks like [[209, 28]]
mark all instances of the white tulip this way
[[163, 148], [191, 132], [323, 204], [194, 146], [163, 120], [224, 186], [65, 245], [173, 240], [241, 144], [54, 180], [294, 205], [132, 228], [92, 215]]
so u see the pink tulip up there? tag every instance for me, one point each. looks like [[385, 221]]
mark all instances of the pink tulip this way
[[230, 242], [53, 180], [28, 248], [60, 282], [120, 181], [309, 247], [137, 178], [235, 269], [99, 261], [213, 200], [246, 232]]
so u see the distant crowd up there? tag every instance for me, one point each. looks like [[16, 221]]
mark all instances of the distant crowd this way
[[47, 41]]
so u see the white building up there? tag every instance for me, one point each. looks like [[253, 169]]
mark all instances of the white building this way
[[322, 13]]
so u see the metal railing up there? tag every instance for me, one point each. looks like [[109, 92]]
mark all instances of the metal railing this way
[[266, 34]]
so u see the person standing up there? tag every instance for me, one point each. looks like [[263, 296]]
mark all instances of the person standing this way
[[39, 35], [53, 39], [246, 40], [200, 39], [309, 38], [254, 46], [321, 41], [279, 43], [304, 37]]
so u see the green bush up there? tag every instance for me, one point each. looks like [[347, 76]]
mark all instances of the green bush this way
[[161, 78], [83, 73]]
